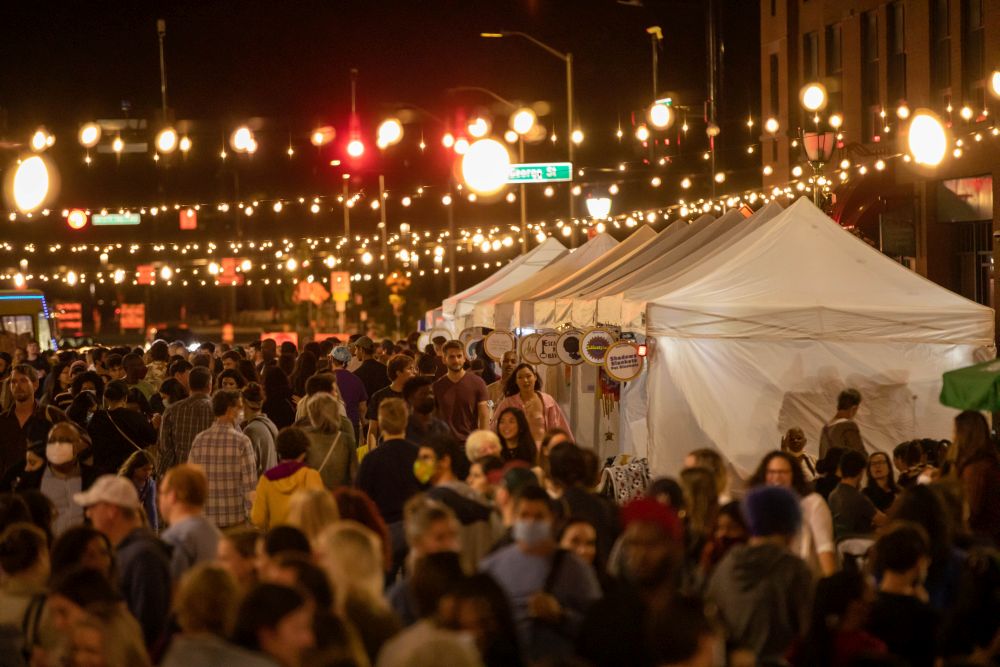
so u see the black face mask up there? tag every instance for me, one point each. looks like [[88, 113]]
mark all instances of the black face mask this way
[[425, 406]]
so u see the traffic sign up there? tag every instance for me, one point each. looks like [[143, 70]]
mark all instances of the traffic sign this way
[[540, 172], [106, 219]]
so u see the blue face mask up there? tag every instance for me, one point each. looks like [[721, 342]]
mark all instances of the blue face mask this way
[[531, 533]]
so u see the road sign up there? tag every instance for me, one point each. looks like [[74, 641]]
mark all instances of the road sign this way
[[102, 219], [540, 172]]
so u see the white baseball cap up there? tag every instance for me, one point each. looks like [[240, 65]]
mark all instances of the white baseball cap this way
[[112, 490]]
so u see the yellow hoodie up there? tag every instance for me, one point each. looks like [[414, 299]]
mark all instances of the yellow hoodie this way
[[275, 489]]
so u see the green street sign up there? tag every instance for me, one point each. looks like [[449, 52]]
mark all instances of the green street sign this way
[[540, 172], [108, 219]]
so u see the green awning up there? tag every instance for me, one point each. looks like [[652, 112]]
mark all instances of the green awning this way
[[973, 388]]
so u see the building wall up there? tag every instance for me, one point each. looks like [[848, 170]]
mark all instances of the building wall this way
[[784, 25]]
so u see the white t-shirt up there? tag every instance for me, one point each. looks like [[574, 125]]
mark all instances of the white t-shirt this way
[[816, 534]]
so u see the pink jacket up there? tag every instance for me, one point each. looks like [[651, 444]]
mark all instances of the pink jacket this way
[[554, 417]]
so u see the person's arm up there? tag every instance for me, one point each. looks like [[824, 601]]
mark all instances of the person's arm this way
[[248, 473], [820, 523], [259, 513], [484, 414]]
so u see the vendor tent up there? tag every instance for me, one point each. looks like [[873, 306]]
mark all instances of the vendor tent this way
[[767, 334], [484, 313], [555, 310], [521, 311], [584, 309], [544, 253], [627, 307]]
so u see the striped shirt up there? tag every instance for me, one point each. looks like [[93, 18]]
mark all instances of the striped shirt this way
[[182, 421], [226, 455]]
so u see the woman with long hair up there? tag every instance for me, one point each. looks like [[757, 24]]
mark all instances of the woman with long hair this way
[[881, 486], [138, 469], [524, 391], [977, 468], [108, 636], [332, 450], [355, 505], [814, 542], [702, 502], [278, 404], [515, 436], [57, 382], [305, 368]]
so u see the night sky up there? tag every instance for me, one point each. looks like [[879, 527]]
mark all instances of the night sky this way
[[286, 65]]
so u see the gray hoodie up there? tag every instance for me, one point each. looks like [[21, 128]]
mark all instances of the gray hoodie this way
[[262, 433], [763, 594]]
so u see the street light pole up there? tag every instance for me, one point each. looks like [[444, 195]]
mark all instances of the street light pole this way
[[568, 59]]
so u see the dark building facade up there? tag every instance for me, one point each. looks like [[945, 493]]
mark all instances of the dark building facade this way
[[875, 57]]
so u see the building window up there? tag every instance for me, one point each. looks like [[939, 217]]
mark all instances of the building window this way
[[810, 56], [869, 74], [834, 49], [940, 45], [775, 85], [973, 53], [896, 70]]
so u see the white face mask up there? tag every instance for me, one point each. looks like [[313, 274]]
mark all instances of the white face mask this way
[[59, 452]]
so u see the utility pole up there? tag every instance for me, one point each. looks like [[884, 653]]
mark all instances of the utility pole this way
[[712, 68], [161, 31], [384, 225]]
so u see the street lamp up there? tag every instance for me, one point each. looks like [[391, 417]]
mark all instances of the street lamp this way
[[568, 59], [818, 147], [522, 121], [813, 97], [927, 138]]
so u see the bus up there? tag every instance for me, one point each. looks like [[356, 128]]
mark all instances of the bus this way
[[25, 314]]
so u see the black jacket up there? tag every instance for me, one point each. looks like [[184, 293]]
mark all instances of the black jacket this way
[[110, 448], [19, 479]]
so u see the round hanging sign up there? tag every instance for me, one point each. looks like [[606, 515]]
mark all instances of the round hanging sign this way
[[499, 342], [528, 344], [568, 347], [547, 348], [622, 361], [594, 345], [470, 335]]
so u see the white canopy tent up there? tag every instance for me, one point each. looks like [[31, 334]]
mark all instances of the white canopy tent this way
[[485, 312], [626, 307], [459, 305], [765, 336], [555, 310], [521, 311], [584, 311]]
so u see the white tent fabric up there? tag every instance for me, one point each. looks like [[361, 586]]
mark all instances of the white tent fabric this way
[[627, 307], [534, 261], [767, 334], [584, 311], [522, 311], [485, 312], [450, 305], [555, 309]]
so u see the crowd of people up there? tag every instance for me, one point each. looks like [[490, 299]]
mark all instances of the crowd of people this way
[[376, 504]]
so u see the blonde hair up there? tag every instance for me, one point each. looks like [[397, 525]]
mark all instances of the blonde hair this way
[[351, 555], [121, 635], [392, 414], [312, 510], [207, 600], [324, 412]]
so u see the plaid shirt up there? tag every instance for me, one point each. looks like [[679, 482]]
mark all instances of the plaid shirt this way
[[227, 457], [182, 421]]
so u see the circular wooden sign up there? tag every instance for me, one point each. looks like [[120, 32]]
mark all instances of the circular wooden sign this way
[[595, 344], [499, 342], [547, 348], [568, 347], [528, 344], [622, 361], [470, 335]]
